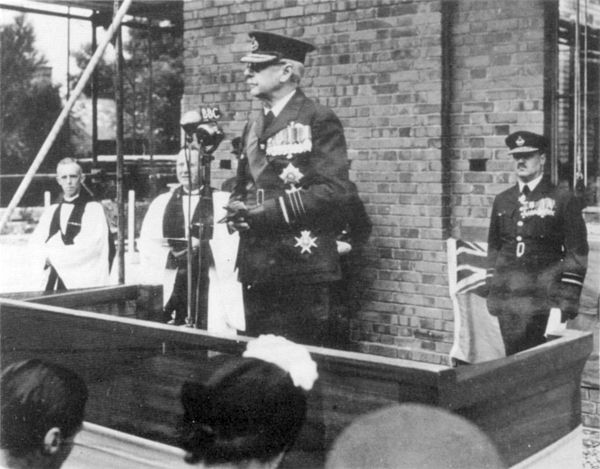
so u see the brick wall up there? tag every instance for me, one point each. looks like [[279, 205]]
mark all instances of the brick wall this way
[[427, 91], [497, 88], [590, 414], [379, 65]]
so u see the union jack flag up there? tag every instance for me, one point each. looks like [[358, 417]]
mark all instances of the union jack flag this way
[[467, 266], [477, 334]]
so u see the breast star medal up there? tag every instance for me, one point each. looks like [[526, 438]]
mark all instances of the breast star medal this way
[[305, 242], [291, 174]]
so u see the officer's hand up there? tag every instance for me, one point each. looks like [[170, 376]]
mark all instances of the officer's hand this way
[[236, 216], [235, 209], [568, 310], [343, 247]]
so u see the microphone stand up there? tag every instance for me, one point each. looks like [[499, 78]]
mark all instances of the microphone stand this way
[[191, 125], [189, 319], [205, 198]]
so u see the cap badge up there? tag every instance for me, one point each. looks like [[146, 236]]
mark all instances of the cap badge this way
[[305, 242], [254, 44], [519, 141]]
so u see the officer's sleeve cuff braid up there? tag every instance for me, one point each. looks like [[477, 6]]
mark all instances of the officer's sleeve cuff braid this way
[[284, 210], [292, 205], [572, 278]]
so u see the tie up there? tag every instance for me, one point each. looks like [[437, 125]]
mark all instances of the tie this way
[[268, 119], [525, 190]]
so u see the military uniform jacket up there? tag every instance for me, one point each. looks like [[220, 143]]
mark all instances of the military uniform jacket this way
[[537, 250], [297, 169]]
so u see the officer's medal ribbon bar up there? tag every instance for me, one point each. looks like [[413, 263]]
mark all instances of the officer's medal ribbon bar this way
[[294, 139]]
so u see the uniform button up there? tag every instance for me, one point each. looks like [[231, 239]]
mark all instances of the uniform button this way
[[519, 238], [520, 223]]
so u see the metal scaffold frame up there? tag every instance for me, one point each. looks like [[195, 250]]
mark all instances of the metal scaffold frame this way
[[120, 8]]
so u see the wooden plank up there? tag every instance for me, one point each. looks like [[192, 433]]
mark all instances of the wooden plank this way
[[138, 301], [532, 397], [84, 297], [469, 384], [134, 370], [591, 372], [155, 333], [99, 447]]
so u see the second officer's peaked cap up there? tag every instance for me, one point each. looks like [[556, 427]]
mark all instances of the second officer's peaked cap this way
[[267, 47], [523, 141]]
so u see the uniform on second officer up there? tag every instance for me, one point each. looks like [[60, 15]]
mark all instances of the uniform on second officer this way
[[537, 249]]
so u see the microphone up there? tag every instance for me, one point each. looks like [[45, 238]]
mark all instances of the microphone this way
[[203, 125], [190, 122], [209, 114], [192, 119]]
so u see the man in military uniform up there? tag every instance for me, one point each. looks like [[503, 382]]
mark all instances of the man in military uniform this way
[[537, 249], [292, 179]]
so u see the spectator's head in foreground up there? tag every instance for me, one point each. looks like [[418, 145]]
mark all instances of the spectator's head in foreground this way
[[251, 409], [411, 436], [42, 408]]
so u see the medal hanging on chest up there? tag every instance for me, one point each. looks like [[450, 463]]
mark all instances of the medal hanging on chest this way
[[293, 140], [541, 208]]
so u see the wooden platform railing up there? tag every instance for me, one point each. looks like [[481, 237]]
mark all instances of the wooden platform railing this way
[[135, 368]]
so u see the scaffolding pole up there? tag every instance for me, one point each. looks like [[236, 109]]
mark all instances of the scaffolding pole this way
[[577, 161], [94, 98], [120, 152], [150, 133]]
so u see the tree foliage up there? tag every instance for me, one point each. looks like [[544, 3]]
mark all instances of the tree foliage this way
[[29, 105], [103, 71], [165, 55]]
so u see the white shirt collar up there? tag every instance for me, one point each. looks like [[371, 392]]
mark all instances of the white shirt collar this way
[[194, 192], [532, 184], [279, 105], [70, 199]]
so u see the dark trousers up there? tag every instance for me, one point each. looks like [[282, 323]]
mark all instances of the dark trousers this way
[[522, 330], [301, 313], [54, 282], [176, 307]]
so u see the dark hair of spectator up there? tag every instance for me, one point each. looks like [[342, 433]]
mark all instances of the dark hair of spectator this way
[[248, 409], [35, 397]]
